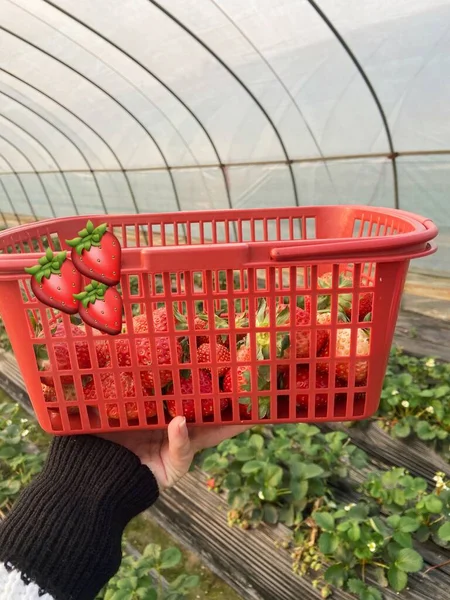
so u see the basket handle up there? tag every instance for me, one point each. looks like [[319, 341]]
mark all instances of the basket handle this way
[[411, 243]]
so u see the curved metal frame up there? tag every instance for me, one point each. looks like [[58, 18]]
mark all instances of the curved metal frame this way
[[74, 144], [281, 82], [220, 164], [242, 84], [8, 197], [100, 137], [99, 87], [351, 55], [59, 170], [20, 182], [33, 168]]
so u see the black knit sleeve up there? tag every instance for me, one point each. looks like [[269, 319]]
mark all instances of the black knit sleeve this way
[[65, 531]]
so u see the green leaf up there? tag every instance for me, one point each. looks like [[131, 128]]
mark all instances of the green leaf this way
[[354, 532], [170, 558], [147, 593], [89, 227], [299, 490], [401, 429], [152, 551], [425, 431], [328, 543], [270, 514], [397, 578], [232, 481], [191, 581], [121, 595], [408, 524], [324, 520], [403, 539], [371, 593], [311, 470], [49, 254], [7, 452], [256, 441], [335, 575], [444, 532], [253, 466], [409, 560], [356, 586], [245, 453], [433, 504], [273, 474]]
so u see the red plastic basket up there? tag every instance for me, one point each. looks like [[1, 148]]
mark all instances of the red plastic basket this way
[[245, 277]]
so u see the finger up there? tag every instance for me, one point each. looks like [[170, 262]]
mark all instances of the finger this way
[[180, 451], [205, 437]]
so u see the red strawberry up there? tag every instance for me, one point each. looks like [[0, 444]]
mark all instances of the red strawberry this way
[[222, 356], [365, 305], [55, 281], [188, 403], [96, 253], [128, 390], [144, 356], [302, 337], [343, 349], [61, 350], [302, 383], [244, 385], [199, 324], [343, 345], [101, 308], [50, 393], [140, 322]]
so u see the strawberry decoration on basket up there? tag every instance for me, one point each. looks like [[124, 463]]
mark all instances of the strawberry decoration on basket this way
[[96, 253], [101, 307], [55, 281]]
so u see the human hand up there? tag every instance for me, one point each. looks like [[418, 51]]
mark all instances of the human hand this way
[[168, 453]]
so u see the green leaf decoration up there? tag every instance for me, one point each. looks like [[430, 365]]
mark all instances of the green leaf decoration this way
[[88, 237]]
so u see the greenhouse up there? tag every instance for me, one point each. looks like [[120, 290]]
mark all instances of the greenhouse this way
[[265, 170]]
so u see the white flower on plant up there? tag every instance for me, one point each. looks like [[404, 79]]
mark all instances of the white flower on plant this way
[[431, 363], [405, 403], [439, 479], [349, 506], [260, 495], [372, 546], [25, 432], [395, 393], [430, 410]]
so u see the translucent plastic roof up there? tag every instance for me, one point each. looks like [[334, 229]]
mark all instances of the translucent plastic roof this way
[[142, 106]]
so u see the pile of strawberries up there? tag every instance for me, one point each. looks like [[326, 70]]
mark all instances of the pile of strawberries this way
[[176, 358]]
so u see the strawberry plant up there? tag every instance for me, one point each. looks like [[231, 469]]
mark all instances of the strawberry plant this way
[[141, 578], [371, 542], [415, 400], [291, 474], [278, 476], [19, 459]]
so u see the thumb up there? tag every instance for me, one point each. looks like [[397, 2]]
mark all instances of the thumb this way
[[180, 453]]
